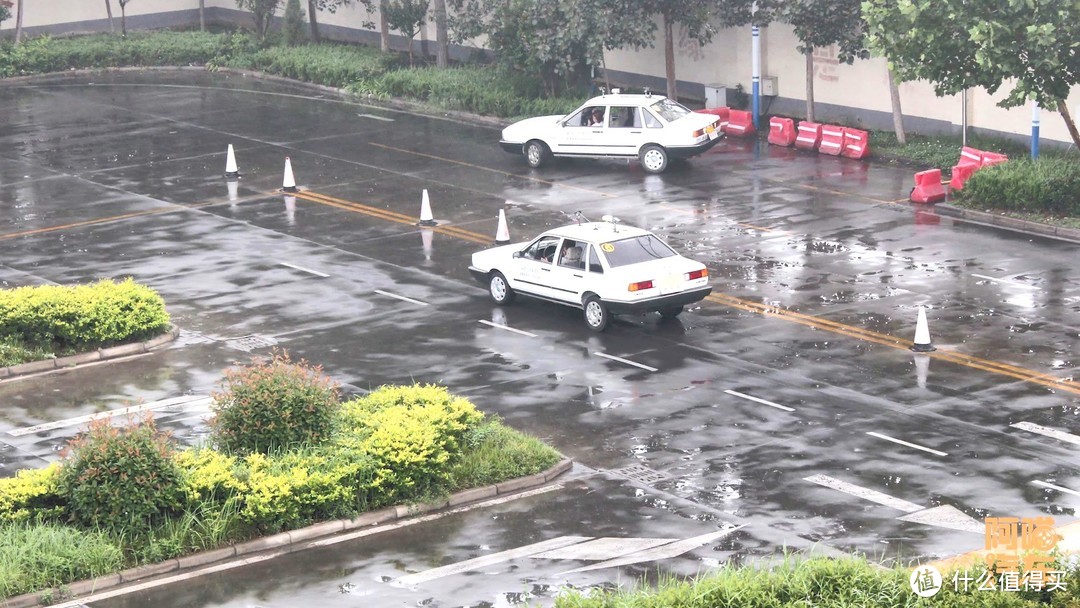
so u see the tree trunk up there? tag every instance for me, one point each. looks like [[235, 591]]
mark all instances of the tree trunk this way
[[313, 7], [669, 60], [1063, 109], [442, 45], [202, 15], [897, 113], [123, 20], [18, 21], [108, 9], [384, 28], [810, 84]]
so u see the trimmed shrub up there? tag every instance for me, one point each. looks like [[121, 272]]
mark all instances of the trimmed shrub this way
[[39, 556], [1048, 185], [82, 316], [32, 495], [334, 65], [121, 478], [274, 404]]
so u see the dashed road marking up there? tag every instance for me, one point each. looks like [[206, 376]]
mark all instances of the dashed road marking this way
[[402, 298], [1005, 281], [508, 328], [490, 560], [864, 493], [761, 401], [1054, 487], [908, 444], [302, 269], [626, 361], [186, 400], [1047, 432]]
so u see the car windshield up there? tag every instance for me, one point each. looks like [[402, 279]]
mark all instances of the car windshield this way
[[635, 250], [669, 110]]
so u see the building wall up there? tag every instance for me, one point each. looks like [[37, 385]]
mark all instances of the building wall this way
[[854, 94]]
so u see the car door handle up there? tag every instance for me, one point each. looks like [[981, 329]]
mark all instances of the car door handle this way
[[636, 132], [546, 269], [597, 131], [579, 276]]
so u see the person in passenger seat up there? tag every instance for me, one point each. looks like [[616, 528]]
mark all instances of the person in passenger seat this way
[[572, 258]]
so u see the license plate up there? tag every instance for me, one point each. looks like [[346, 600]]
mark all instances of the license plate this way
[[710, 129], [670, 284]]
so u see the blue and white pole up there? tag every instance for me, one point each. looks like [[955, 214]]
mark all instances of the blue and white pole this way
[[755, 33], [1034, 130]]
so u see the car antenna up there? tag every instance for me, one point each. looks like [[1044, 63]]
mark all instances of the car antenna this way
[[648, 93], [614, 222], [580, 217]]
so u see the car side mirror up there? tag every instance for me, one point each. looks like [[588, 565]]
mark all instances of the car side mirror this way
[[517, 254]]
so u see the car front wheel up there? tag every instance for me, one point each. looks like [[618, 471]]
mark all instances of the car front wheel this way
[[536, 153], [597, 316], [653, 158], [499, 289]]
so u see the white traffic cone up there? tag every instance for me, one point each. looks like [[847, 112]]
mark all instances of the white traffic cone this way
[[502, 235], [289, 183], [426, 219], [922, 334], [231, 170]]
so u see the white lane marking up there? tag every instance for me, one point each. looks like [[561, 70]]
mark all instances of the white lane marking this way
[[186, 400], [1047, 431], [761, 401], [508, 328], [910, 445], [490, 560], [609, 547], [668, 551], [302, 269], [1006, 281], [864, 493], [626, 361], [1053, 487], [402, 298], [373, 117]]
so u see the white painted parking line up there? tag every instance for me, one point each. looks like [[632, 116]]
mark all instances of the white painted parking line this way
[[402, 298], [603, 548], [1006, 281], [626, 361], [302, 269], [373, 117], [508, 328], [761, 401], [186, 400], [905, 443], [864, 493], [490, 560], [1053, 487], [656, 554], [1047, 432]]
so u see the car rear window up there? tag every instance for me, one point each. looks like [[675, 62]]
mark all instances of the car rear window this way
[[635, 250], [669, 110]]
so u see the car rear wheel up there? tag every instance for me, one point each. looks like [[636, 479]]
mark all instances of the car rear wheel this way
[[653, 158], [671, 312], [597, 316], [537, 153], [499, 289]]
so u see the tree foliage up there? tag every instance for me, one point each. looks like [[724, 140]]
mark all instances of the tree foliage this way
[[823, 23], [5, 10], [407, 17], [262, 11], [294, 23], [1032, 46]]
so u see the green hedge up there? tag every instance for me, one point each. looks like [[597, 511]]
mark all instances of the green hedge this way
[[1048, 185], [81, 317]]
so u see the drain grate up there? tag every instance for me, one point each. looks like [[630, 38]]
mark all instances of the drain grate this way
[[250, 343], [640, 473], [188, 337]]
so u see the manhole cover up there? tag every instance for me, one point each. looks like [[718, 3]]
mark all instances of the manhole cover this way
[[187, 337], [640, 473], [250, 343]]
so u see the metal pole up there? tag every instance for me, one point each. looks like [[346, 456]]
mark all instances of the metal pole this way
[[963, 117], [1035, 130], [755, 33]]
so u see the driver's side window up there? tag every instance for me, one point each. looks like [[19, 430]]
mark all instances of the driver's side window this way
[[581, 118], [543, 250]]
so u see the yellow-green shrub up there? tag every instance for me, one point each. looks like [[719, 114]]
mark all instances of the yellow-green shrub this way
[[208, 475], [31, 496], [82, 316]]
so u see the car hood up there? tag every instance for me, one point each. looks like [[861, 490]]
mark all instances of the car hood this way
[[489, 258], [530, 127]]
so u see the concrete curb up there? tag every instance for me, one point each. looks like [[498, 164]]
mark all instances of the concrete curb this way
[[293, 540], [1008, 223], [95, 356]]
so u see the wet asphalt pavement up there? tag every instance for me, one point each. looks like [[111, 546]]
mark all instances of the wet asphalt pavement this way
[[786, 423]]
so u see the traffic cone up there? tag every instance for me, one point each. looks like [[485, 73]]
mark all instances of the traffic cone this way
[[231, 169], [502, 235], [289, 183], [922, 334], [426, 219]]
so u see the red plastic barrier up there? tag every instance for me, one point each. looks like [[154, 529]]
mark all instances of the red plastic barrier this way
[[721, 113], [856, 143], [832, 140], [992, 158], [781, 131], [740, 124], [809, 135], [960, 174], [928, 187], [970, 156]]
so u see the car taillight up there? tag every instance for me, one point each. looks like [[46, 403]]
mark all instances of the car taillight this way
[[640, 286], [697, 274]]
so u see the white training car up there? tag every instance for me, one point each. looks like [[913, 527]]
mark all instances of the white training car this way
[[601, 267], [650, 128]]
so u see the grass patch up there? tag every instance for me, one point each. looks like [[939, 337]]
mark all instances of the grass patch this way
[[14, 352], [495, 452], [38, 556]]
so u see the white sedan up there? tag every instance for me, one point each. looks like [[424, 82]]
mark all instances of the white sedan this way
[[603, 268], [650, 128]]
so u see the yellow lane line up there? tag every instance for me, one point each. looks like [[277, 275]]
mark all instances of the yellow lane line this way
[[100, 220], [482, 168]]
